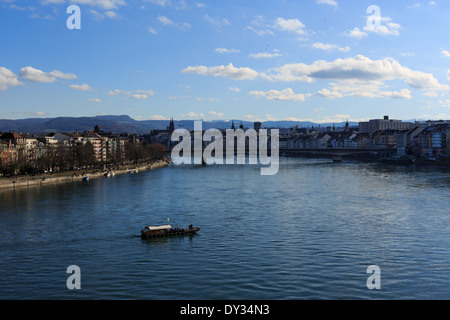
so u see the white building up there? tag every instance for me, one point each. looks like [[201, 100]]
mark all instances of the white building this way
[[384, 124]]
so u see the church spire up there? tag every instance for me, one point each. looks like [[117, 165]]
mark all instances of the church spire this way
[[171, 125]]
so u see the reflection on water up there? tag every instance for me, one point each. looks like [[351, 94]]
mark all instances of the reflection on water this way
[[309, 232]]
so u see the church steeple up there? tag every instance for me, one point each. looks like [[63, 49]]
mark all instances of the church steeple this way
[[171, 125], [232, 125], [241, 126]]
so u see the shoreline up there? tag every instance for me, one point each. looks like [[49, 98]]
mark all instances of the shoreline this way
[[443, 163], [71, 176]]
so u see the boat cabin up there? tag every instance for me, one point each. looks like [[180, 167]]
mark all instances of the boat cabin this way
[[154, 230], [166, 230]]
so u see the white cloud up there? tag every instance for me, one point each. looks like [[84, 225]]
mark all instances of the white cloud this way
[[167, 22], [216, 114], [97, 15], [293, 25], [269, 117], [164, 20], [147, 92], [110, 14], [328, 94], [283, 95], [177, 4], [357, 88], [329, 2], [36, 75], [228, 71], [192, 115], [184, 26], [357, 76], [97, 100], [100, 16], [151, 30], [81, 87], [445, 53], [218, 22], [356, 33], [225, 50], [45, 2], [139, 96], [235, 89], [402, 94], [260, 27], [103, 4], [414, 6], [30, 113], [61, 75], [390, 28], [203, 99], [161, 3], [8, 79], [427, 81], [329, 47], [418, 5], [158, 117], [444, 103], [115, 92], [13, 6], [358, 68], [260, 32], [265, 55], [430, 94]]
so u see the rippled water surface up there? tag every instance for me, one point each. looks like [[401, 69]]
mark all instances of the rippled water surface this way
[[309, 232]]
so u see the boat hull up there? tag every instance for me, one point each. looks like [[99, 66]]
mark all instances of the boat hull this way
[[168, 233]]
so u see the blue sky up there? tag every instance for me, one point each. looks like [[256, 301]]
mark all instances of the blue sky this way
[[313, 60]]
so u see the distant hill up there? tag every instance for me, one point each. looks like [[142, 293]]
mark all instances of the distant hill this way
[[124, 123]]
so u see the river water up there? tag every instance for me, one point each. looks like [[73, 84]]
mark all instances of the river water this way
[[308, 232]]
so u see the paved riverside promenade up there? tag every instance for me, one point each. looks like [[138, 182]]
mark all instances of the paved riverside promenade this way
[[25, 181]]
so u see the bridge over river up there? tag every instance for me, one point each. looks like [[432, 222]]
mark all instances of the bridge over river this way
[[338, 153]]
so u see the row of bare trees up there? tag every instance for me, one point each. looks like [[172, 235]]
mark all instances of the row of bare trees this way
[[54, 158]]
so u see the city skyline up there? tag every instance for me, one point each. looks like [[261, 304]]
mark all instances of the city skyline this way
[[318, 60]]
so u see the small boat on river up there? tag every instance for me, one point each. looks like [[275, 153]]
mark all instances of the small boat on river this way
[[166, 231]]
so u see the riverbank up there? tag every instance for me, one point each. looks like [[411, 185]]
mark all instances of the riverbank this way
[[443, 163], [78, 175]]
